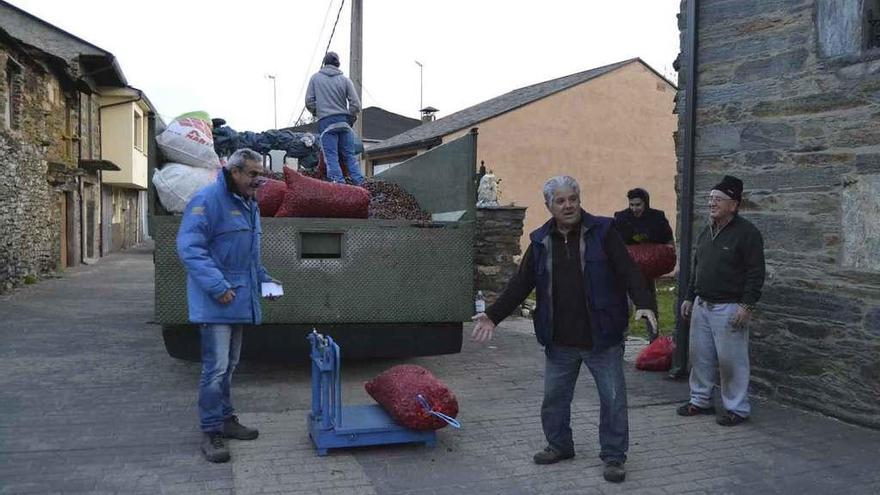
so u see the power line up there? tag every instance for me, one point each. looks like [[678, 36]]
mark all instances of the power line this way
[[338, 13], [334, 26], [302, 87]]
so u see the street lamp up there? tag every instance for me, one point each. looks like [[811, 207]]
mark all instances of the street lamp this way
[[274, 98], [421, 83]]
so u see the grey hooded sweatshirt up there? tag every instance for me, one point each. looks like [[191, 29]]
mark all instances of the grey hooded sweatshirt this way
[[331, 93]]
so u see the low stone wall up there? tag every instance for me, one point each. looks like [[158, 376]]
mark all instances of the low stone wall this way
[[496, 248]]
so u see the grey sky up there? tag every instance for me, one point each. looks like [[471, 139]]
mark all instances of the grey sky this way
[[214, 55]]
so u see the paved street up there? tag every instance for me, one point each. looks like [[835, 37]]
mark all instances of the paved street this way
[[91, 403]]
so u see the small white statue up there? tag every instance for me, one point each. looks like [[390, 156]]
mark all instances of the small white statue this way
[[489, 192]]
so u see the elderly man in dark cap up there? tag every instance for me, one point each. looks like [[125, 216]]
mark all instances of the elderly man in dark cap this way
[[726, 282]]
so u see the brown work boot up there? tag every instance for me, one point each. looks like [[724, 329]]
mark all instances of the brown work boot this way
[[233, 429], [551, 456], [214, 448]]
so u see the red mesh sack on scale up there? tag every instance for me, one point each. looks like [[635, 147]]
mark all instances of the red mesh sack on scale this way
[[654, 260], [398, 389], [308, 197], [270, 196], [657, 356]]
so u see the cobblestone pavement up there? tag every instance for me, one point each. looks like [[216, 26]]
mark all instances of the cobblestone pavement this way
[[91, 403]]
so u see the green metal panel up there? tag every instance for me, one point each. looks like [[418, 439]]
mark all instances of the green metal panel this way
[[441, 179], [388, 271]]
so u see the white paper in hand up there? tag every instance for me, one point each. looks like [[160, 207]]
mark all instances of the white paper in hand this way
[[271, 289]]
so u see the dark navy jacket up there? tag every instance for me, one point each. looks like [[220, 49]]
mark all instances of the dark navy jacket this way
[[608, 274]]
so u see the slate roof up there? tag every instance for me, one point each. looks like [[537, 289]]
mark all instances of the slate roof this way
[[431, 132], [32, 30], [378, 124]]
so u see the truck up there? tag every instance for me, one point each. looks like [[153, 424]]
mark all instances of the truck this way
[[381, 288]]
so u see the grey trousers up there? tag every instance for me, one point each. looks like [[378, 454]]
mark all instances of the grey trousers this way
[[716, 345]]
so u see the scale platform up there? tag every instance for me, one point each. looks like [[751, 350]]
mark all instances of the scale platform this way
[[332, 425]]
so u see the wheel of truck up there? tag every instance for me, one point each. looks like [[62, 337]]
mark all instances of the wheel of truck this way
[[182, 342]]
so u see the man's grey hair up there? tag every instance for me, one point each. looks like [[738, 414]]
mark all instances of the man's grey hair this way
[[240, 158], [555, 183]]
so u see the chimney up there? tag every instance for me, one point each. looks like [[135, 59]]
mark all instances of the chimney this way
[[428, 114]]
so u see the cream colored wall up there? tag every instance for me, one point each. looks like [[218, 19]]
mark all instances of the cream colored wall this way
[[612, 134], [117, 138], [139, 165]]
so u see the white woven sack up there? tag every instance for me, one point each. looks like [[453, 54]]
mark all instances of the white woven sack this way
[[189, 141], [177, 183]]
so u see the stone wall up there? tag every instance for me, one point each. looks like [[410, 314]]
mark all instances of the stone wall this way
[[788, 99], [37, 167], [496, 248]]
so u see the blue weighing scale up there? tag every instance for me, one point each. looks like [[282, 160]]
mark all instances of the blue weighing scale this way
[[333, 426]]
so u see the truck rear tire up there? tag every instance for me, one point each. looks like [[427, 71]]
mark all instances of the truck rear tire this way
[[183, 342], [287, 343]]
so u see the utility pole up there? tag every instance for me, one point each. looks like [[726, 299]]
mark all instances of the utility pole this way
[[421, 86], [274, 99], [356, 52]]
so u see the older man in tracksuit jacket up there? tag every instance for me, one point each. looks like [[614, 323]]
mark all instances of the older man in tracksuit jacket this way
[[332, 98], [582, 273], [219, 245]]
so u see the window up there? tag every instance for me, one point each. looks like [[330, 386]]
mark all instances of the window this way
[[848, 27], [53, 91], [861, 239], [138, 130], [871, 26], [382, 164], [67, 135], [11, 94], [7, 101]]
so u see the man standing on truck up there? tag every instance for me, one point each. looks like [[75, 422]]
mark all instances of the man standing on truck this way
[[582, 272], [219, 245], [332, 98]]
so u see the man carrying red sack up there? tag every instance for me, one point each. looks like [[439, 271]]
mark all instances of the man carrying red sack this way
[[641, 224], [582, 273]]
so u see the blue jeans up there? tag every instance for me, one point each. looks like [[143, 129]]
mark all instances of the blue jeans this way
[[221, 348], [335, 141], [562, 366]]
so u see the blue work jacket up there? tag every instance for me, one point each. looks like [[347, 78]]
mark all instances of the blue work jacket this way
[[219, 245]]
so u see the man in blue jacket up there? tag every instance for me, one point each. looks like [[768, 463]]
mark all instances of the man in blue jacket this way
[[219, 245], [332, 98], [582, 273]]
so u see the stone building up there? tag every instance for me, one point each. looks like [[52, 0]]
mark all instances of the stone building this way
[[610, 127], [788, 99], [50, 147]]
